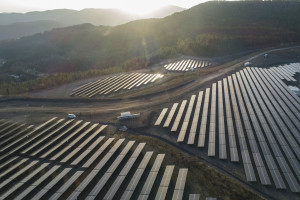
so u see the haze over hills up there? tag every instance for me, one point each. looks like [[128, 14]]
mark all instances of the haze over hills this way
[[14, 25], [20, 29], [209, 29]]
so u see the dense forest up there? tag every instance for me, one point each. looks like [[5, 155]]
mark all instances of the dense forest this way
[[209, 29]]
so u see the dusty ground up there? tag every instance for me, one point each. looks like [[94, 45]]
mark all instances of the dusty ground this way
[[40, 106]]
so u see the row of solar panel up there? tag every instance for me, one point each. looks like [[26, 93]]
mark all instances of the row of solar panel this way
[[186, 65], [260, 111], [69, 160], [114, 84], [287, 71]]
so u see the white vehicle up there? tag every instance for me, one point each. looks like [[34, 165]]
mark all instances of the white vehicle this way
[[247, 64], [127, 115], [71, 116]]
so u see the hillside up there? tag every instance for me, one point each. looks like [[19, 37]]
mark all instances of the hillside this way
[[20, 29], [108, 17], [15, 25], [209, 29]]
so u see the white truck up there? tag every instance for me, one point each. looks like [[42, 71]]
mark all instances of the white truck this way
[[127, 115]]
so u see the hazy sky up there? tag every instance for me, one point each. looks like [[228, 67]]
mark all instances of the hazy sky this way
[[135, 6]]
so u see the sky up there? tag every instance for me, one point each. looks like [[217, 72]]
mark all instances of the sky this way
[[133, 6]]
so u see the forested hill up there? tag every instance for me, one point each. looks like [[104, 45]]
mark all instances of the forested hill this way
[[209, 29], [97, 17]]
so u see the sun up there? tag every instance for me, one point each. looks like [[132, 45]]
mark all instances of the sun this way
[[139, 7]]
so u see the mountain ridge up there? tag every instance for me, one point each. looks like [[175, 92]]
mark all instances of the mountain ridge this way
[[15, 25], [66, 15], [209, 29]]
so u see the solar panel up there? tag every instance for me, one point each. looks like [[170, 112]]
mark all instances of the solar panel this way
[[4, 143], [117, 85], [186, 65], [287, 118], [96, 84], [179, 65], [257, 157], [7, 128], [167, 176], [51, 184], [16, 145], [212, 124], [57, 139], [186, 120], [19, 184], [231, 133], [136, 177], [161, 116], [13, 168], [192, 135], [290, 95], [102, 182], [241, 136], [221, 119], [65, 186], [12, 132], [286, 105], [194, 196], [287, 73], [294, 186], [203, 125], [92, 91], [286, 150], [182, 66], [134, 80], [49, 152], [143, 80], [193, 64], [108, 85], [179, 115], [156, 77], [171, 114], [175, 66], [152, 175], [4, 125], [37, 182], [180, 184], [97, 168], [177, 195], [73, 143], [48, 135], [96, 154], [8, 163], [83, 144], [146, 80], [250, 176], [127, 82]]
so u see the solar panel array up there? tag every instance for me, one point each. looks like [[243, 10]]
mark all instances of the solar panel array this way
[[250, 116], [114, 84], [286, 71], [197, 197], [186, 65], [68, 159]]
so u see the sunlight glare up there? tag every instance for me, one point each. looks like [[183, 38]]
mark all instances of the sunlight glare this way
[[140, 7]]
